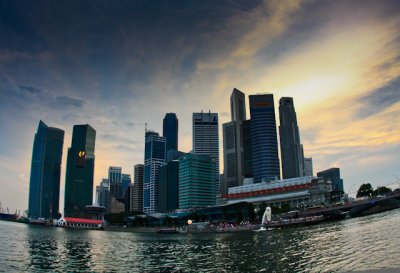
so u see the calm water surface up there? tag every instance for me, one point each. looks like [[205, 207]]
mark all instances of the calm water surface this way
[[370, 242]]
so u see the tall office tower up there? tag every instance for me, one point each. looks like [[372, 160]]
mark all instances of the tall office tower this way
[[247, 149], [125, 182], [292, 155], [80, 171], [264, 138], [137, 189], [170, 131], [154, 157], [334, 175], [233, 141], [168, 187], [238, 105], [206, 139], [308, 167], [44, 189], [196, 181], [115, 180], [103, 194]]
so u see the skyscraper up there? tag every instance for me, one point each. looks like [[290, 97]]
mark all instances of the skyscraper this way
[[44, 190], [103, 194], [137, 189], [308, 166], [206, 139], [115, 180], [168, 187], [125, 182], [233, 141], [291, 149], [196, 181], [170, 131], [80, 171], [247, 150], [154, 157], [264, 138]]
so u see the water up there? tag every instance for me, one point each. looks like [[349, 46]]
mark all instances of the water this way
[[370, 242]]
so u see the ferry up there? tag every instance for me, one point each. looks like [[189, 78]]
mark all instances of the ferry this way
[[8, 217]]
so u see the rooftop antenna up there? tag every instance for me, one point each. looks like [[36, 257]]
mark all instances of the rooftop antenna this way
[[145, 127]]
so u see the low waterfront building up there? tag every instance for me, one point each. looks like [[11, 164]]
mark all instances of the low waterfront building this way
[[300, 191]]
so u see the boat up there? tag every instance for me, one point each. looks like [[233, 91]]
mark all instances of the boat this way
[[8, 217], [79, 223], [294, 222], [167, 230]]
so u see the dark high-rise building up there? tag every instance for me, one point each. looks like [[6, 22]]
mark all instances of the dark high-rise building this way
[[334, 175], [170, 131], [125, 182], [103, 194], [292, 155], [44, 190], [264, 140], [168, 187], [115, 180], [80, 171], [233, 141], [247, 150], [137, 189], [154, 157]]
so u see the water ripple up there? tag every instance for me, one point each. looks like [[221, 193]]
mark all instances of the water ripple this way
[[371, 242]]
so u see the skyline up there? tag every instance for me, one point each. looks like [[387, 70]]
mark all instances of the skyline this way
[[117, 66]]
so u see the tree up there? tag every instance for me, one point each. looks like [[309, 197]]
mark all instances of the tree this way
[[335, 195], [365, 190], [381, 191]]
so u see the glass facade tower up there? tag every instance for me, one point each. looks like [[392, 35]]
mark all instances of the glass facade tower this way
[[170, 131], [233, 142], [292, 154], [80, 171], [196, 181], [264, 138], [154, 157], [44, 189]]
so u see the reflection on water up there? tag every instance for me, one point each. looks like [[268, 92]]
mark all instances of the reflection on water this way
[[356, 244]]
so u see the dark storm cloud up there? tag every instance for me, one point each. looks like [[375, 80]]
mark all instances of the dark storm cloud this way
[[380, 99], [108, 43]]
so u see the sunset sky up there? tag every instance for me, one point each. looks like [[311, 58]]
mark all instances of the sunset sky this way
[[117, 65]]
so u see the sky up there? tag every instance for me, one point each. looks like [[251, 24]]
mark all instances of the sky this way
[[118, 65]]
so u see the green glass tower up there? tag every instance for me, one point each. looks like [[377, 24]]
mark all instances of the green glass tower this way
[[44, 191], [80, 171], [196, 181]]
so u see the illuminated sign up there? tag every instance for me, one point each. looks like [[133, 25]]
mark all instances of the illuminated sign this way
[[80, 162]]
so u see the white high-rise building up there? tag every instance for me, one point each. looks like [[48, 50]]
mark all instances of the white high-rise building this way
[[206, 138]]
